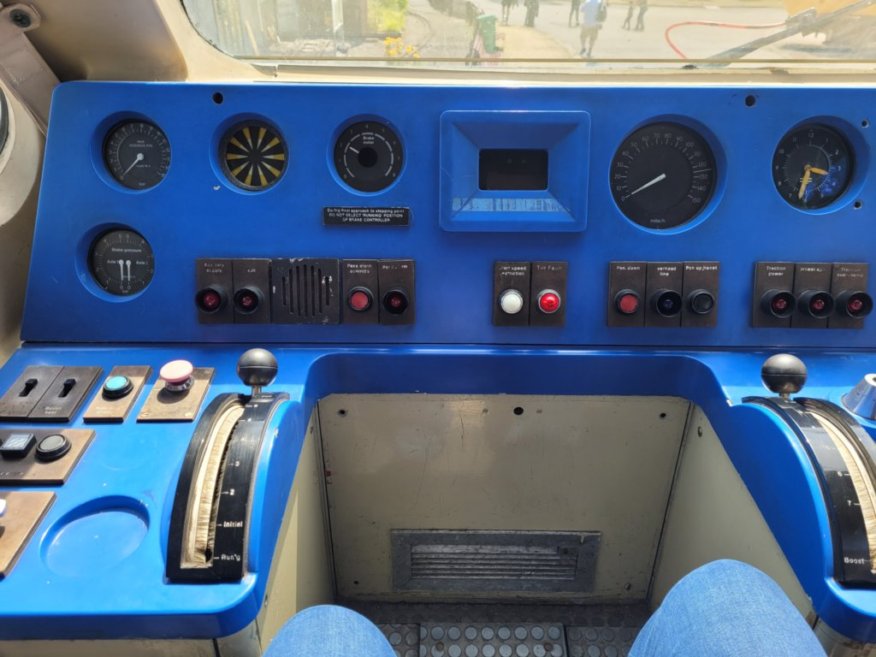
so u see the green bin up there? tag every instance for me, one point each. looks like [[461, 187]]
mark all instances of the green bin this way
[[487, 27]]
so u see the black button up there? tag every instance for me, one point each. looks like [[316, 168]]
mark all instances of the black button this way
[[53, 447], [701, 302], [17, 445]]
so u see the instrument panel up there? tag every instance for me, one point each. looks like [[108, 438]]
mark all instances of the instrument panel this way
[[459, 183]]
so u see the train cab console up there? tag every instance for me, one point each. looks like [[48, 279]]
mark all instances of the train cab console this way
[[495, 366]]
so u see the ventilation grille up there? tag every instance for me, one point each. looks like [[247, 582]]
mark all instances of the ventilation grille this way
[[513, 561], [305, 291]]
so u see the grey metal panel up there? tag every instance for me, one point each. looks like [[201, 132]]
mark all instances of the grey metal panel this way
[[499, 463], [437, 560]]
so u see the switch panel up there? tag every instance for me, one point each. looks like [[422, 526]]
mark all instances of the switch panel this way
[[27, 390], [361, 305], [626, 290], [65, 395], [118, 394], [214, 283], [395, 282], [663, 300], [251, 297], [663, 294], [171, 403], [48, 460], [812, 289], [773, 301], [511, 293], [848, 285], [306, 291], [547, 298], [810, 295]]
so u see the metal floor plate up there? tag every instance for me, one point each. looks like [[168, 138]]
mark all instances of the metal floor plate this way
[[509, 630]]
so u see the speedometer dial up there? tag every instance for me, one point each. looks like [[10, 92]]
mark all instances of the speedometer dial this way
[[812, 166], [663, 175], [137, 154]]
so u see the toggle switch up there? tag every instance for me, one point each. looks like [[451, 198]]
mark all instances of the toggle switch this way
[[511, 302]]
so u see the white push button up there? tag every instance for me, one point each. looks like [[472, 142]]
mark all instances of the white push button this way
[[511, 302]]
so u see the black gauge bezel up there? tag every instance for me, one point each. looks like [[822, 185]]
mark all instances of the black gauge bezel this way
[[779, 162], [369, 184], [103, 283], [160, 173], [684, 212], [225, 142]]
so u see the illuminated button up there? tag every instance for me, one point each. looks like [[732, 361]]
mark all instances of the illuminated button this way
[[627, 302], [53, 447], [210, 299], [247, 300], [511, 302], [117, 387], [778, 303], [395, 302], [177, 375], [549, 301], [359, 300], [816, 304], [855, 304], [667, 303]]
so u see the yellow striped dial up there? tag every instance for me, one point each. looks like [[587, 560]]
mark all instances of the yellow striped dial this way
[[253, 155]]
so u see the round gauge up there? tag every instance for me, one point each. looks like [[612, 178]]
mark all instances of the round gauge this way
[[369, 156], [812, 166], [137, 154], [663, 175], [253, 155], [121, 262]]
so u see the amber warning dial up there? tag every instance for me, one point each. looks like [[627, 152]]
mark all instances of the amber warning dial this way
[[253, 155]]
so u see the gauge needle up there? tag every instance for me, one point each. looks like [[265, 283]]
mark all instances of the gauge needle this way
[[820, 172], [137, 160], [804, 183], [656, 180]]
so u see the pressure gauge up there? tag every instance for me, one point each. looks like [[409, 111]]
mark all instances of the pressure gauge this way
[[368, 156], [121, 262], [137, 154]]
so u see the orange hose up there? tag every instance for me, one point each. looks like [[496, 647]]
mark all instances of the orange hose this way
[[737, 26]]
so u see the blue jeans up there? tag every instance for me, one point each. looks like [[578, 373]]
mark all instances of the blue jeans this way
[[723, 609]]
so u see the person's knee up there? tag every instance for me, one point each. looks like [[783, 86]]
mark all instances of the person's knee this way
[[329, 631]]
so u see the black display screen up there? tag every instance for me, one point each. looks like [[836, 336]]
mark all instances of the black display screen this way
[[513, 168]]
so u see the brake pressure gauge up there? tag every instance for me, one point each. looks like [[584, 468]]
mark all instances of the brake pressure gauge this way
[[121, 262], [812, 166], [137, 154]]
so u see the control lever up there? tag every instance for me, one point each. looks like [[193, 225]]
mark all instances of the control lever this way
[[257, 368], [784, 374]]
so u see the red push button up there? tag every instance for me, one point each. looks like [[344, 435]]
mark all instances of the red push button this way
[[627, 302], [359, 300], [549, 301]]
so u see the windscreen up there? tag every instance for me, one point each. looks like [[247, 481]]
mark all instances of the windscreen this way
[[541, 34]]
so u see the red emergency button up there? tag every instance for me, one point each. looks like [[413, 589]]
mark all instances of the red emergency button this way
[[549, 301], [627, 302], [360, 299]]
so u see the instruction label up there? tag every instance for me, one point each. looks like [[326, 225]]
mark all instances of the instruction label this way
[[342, 216]]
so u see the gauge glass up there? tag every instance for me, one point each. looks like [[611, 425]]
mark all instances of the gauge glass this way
[[253, 155], [121, 262], [663, 175], [368, 156], [137, 154], [812, 166]]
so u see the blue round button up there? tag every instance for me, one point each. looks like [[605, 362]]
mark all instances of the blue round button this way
[[116, 387]]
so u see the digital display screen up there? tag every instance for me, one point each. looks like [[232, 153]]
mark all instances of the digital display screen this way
[[513, 169]]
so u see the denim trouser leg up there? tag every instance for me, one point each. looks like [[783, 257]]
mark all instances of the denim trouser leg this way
[[726, 609], [328, 631]]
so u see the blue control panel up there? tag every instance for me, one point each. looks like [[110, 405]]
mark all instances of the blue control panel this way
[[463, 240]]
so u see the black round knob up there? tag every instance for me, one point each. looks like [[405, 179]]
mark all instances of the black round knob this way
[[783, 374], [257, 367]]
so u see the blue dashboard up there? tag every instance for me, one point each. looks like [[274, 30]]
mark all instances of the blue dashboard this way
[[496, 252]]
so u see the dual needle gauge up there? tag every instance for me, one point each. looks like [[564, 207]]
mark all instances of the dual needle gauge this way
[[812, 166]]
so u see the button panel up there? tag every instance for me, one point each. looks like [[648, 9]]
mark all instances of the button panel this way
[[529, 293], [810, 295], [663, 294]]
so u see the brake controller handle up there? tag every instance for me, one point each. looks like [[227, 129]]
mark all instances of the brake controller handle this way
[[257, 368]]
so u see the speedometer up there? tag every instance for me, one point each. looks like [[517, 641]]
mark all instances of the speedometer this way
[[663, 175]]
